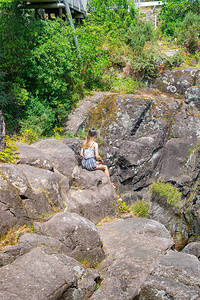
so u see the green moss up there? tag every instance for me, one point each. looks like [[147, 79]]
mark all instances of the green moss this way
[[103, 114]]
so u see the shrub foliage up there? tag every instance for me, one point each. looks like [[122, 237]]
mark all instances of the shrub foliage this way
[[166, 192]]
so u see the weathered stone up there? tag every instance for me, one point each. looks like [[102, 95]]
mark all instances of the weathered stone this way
[[27, 193], [34, 157], [185, 125], [177, 81], [44, 274], [192, 95], [142, 266], [140, 244], [28, 241], [91, 195], [193, 248], [62, 157], [177, 276], [138, 134], [179, 266], [159, 288], [75, 145], [77, 117], [79, 236], [11, 211], [45, 190], [174, 164], [111, 289], [119, 116], [2, 132]]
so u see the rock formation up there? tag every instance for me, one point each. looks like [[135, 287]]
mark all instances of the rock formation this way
[[45, 180], [143, 266], [146, 138], [66, 256], [177, 81]]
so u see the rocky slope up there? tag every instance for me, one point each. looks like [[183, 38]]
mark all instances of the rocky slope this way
[[142, 138], [145, 138]]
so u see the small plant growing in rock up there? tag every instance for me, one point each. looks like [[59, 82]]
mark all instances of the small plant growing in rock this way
[[8, 155], [140, 208], [13, 235], [122, 206], [166, 191]]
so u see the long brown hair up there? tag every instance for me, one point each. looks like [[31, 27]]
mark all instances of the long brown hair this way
[[91, 137]]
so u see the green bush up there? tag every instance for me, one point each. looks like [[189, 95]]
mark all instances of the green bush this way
[[174, 11], [39, 117], [138, 35], [175, 61], [188, 31], [28, 136], [114, 15], [166, 192], [8, 155], [146, 66], [140, 208]]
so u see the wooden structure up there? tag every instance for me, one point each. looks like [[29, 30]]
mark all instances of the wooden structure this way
[[140, 3], [56, 7]]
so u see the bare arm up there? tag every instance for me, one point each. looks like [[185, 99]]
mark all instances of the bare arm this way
[[96, 151], [81, 154]]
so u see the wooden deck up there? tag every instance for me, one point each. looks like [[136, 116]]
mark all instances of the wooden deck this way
[[77, 7]]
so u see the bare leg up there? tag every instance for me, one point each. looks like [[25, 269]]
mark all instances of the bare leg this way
[[105, 169]]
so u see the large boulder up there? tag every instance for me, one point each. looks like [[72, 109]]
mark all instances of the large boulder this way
[[79, 236], [140, 243], [11, 211], [35, 157], [91, 195], [193, 248], [62, 157], [142, 266], [179, 166], [25, 243], [177, 81], [27, 193], [177, 276], [46, 275]]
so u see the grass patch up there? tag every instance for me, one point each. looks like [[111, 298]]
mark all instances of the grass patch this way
[[138, 209], [13, 235]]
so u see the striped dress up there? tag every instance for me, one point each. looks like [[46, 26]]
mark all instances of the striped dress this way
[[89, 161]]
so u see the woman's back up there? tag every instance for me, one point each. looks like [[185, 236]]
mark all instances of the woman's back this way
[[89, 153]]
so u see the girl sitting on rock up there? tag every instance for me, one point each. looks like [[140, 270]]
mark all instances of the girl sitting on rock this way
[[89, 153]]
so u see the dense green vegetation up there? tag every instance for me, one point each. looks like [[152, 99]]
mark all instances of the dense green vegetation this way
[[42, 76]]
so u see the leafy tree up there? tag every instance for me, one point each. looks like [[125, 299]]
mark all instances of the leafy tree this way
[[174, 11], [114, 15]]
